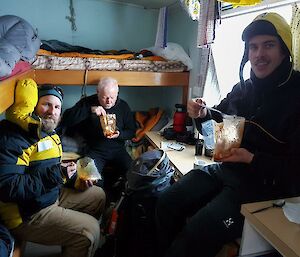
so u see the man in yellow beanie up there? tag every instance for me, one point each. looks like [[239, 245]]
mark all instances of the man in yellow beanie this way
[[201, 212], [34, 203]]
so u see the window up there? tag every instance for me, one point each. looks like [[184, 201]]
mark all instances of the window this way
[[228, 49]]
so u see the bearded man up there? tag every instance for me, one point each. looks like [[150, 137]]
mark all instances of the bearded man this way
[[34, 203]]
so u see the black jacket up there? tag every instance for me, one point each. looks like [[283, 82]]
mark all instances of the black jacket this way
[[80, 118], [276, 108]]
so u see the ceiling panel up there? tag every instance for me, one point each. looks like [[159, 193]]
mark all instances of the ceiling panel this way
[[149, 3]]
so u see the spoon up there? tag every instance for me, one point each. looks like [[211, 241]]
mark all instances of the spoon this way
[[216, 110], [278, 204]]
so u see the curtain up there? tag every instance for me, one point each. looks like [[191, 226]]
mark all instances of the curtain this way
[[192, 7], [211, 91], [207, 82], [209, 12], [296, 35], [161, 33]]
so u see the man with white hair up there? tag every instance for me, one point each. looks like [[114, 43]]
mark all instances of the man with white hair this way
[[86, 114]]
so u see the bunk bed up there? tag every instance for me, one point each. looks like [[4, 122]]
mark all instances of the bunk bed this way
[[91, 77]]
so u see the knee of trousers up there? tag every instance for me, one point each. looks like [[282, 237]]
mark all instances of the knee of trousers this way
[[91, 234], [97, 199], [165, 206]]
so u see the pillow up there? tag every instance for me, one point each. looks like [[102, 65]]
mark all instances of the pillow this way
[[173, 52]]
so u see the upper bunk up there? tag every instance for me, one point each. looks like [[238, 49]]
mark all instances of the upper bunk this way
[[91, 77], [129, 68]]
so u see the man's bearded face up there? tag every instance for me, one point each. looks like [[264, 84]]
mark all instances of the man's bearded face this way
[[49, 110], [49, 123]]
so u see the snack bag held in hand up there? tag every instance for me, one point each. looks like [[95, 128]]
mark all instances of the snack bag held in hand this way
[[108, 124], [208, 132], [87, 170], [222, 137], [228, 135]]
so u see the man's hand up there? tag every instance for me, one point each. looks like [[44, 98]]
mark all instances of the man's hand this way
[[98, 110], [82, 184], [115, 135], [70, 169], [239, 155], [195, 108]]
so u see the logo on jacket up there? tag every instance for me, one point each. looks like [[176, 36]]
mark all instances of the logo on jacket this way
[[228, 222]]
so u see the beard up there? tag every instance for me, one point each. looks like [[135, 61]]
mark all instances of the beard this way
[[49, 123]]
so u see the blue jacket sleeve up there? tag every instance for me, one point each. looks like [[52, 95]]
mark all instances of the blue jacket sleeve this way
[[6, 242], [21, 183]]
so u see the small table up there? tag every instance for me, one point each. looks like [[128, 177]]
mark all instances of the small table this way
[[269, 229], [183, 161]]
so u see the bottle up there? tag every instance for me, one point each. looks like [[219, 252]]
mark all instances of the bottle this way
[[189, 125], [179, 118], [199, 146]]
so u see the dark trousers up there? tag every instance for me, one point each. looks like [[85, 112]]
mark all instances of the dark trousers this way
[[118, 159], [198, 214]]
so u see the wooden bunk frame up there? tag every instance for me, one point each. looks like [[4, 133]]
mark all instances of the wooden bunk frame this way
[[78, 77], [7, 89]]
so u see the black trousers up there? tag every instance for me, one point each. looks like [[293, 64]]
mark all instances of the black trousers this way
[[200, 212], [118, 158]]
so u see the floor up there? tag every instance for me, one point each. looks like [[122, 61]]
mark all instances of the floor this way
[[37, 250]]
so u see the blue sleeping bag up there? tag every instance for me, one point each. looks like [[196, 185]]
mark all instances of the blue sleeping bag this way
[[18, 41]]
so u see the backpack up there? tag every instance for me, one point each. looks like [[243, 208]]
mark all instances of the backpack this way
[[132, 227], [150, 173]]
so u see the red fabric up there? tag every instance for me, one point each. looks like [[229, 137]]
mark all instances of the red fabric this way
[[20, 67]]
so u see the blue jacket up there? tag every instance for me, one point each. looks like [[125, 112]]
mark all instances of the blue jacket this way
[[30, 173], [6, 242]]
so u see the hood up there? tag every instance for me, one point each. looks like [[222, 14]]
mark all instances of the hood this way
[[267, 24]]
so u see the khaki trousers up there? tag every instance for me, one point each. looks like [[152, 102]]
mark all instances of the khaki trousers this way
[[71, 222]]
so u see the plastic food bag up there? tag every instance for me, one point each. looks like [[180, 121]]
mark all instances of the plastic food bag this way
[[222, 137], [208, 132], [87, 170], [108, 124], [228, 135]]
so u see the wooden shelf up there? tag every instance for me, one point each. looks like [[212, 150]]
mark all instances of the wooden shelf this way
[[79, 77]]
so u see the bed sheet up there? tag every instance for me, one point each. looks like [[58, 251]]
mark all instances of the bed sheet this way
[[71, 62]]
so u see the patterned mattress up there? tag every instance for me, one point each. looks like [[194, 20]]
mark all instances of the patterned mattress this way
[[79, 63]]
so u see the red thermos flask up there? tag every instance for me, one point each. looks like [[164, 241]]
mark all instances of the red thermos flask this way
[[179, 118]]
